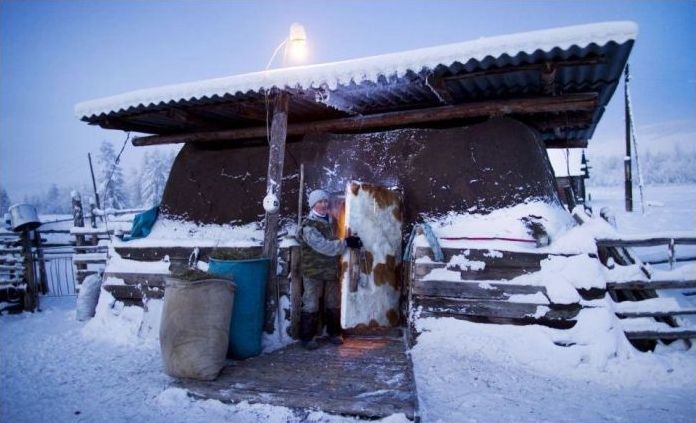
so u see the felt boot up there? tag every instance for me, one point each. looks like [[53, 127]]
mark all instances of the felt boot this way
[[333, 325], [308, 327]]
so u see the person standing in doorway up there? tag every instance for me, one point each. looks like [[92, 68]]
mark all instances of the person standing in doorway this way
[[321, 250]]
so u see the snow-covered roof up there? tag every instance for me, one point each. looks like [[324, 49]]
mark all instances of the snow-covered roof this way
[[583, 59], [566, 162], [372, 69]]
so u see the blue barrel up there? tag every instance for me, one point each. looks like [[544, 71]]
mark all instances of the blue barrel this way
[[246, 325]]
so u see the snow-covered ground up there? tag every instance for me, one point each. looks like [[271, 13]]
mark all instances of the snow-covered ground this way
[[55, 369]]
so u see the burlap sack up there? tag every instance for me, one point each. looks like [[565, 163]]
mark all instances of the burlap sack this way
[[195, 325]]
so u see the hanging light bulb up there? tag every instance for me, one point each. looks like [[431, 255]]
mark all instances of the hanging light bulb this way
[[297, 43], [294, 47]]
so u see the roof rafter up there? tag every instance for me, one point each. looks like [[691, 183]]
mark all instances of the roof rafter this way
[[523, 106]]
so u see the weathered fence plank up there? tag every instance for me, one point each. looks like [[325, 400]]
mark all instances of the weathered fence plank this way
[[493, 308], [158, 253], [645, 242], [674, 333], [464, 289], [652, 284], [494, 258]]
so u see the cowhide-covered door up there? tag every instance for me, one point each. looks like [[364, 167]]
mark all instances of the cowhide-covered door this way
[[370, 281]]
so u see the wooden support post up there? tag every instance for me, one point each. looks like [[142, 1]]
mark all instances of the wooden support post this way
[[79, 222], [92, 215], [295, 292], [93, 219], [570, 198], [30, 297], [276, 158], [43, 280], [628, 179]]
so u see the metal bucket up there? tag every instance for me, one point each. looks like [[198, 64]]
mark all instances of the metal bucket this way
[[23, 217]]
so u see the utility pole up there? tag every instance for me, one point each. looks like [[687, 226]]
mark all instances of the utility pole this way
[[627, 159]]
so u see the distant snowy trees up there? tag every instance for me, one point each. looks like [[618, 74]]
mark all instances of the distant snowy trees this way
[[155, 171], [55, 200], [142, 188], [5, 202], [135, 190], [145, 186], [112, 190], [52, 203], [148, 181], [665, 167]]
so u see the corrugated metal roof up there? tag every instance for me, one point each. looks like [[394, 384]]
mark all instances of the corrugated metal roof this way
[[586, 58]]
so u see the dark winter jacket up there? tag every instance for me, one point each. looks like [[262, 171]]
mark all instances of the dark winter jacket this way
[[320, 248]]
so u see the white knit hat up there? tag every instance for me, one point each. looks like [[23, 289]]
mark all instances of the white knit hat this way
[[316, 196]]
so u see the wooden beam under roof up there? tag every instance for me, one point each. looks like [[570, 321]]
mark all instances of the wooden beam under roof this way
[[560, 143], [560, 121], [539, 67], [183, 117], [439, 88], [256, 112], [119, 123], [189, 118], [522, 106]]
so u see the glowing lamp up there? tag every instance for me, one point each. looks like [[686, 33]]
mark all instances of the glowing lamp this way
[[295, 46], [297, 43]]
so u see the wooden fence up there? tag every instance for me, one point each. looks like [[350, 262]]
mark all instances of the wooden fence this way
[[22, 270], [655, 240], [31, 265]]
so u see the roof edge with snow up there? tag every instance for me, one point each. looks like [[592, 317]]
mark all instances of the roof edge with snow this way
[[368, 69]]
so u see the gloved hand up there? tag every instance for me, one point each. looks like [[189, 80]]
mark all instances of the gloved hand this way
[[354, 242]]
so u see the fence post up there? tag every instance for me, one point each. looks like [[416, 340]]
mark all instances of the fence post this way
[[93, 219], [43, 280], [671, 254], [78, 222], [30, 298], [92, 216]]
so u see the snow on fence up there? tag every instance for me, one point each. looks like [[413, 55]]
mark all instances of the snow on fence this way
[[671, 240], [90, 252], [556, 290], [54, 259]]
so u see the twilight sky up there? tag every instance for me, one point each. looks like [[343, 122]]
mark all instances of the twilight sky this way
[[55, 54]]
